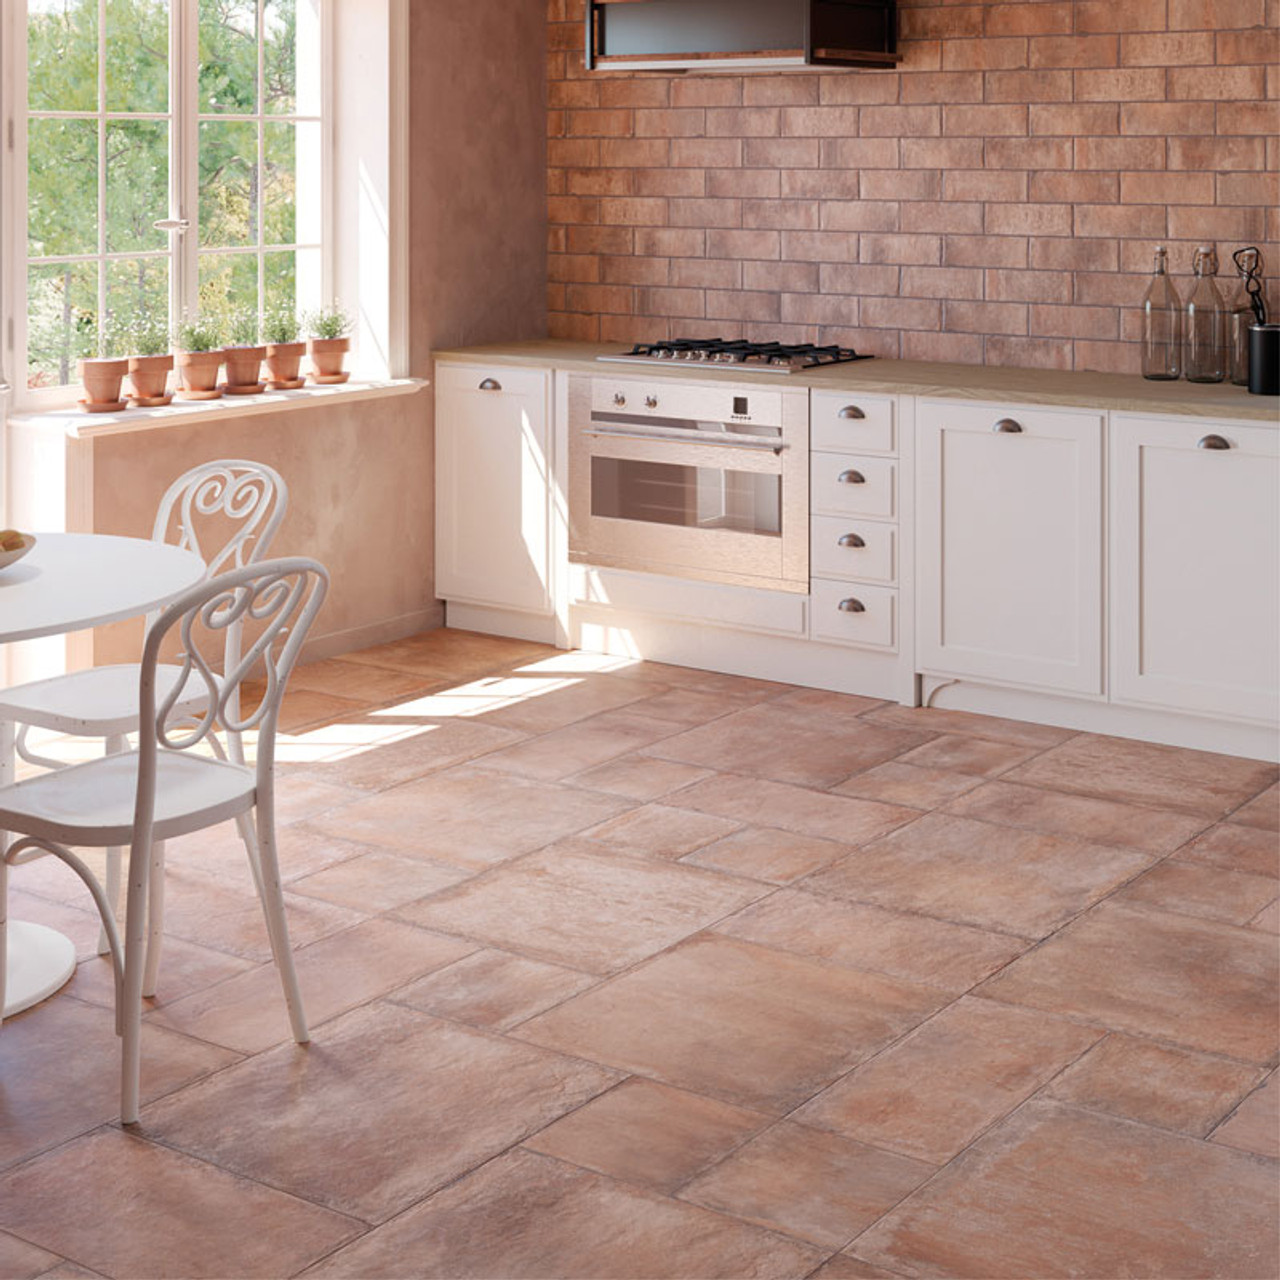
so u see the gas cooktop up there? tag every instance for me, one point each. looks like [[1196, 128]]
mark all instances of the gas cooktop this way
[[747, 357]]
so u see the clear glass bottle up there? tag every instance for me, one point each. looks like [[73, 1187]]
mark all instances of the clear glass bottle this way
[[1239, 317], [1161, 325], [1206, 341]]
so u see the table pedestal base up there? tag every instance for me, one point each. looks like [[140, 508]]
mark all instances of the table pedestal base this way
[[40, 960]]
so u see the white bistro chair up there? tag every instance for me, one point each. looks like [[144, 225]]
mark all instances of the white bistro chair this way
[[165, 788], [102, 702]]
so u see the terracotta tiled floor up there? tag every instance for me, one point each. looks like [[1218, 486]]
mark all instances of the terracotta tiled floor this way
[[617, 969]]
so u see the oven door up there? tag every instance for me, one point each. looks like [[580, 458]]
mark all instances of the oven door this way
[[723, 502]]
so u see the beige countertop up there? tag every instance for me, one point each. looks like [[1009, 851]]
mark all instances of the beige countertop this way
[[1115, 391]]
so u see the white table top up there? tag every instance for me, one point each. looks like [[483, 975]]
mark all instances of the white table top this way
[[70, 581]]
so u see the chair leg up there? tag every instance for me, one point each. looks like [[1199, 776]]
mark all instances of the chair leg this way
[[277, 925], [114, 745], [155, 921], [129, 1009]]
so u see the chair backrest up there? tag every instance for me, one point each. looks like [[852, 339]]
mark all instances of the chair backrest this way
[[281, 597]]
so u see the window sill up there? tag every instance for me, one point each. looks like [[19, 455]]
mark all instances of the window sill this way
[[77, 424]]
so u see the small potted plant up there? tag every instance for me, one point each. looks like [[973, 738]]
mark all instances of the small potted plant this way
[[328, 341], [103, 374], [151, 361], [243, 356], [199, 344], [284, 350]]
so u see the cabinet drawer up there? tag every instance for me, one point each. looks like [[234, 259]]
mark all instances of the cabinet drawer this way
[[854, 550], [852, 423], [848, 484], [875, 625], [466, 377]]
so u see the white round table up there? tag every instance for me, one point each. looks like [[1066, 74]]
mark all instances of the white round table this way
[[69, 582]]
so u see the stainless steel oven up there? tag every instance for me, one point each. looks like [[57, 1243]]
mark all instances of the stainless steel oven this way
[[706, 482]]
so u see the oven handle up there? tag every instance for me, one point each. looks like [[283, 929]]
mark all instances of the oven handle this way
[[679, 435]]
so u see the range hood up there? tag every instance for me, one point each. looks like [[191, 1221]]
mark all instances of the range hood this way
[[739, 35]]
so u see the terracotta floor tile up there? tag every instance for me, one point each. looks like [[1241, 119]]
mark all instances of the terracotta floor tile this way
[[823, 700], [247, 1013], [303, 709], [1255, 1126], [1237, 849], [564, 702], [300, 796], [1054, 1191], [387, 1106], [357, 680], [217, 854], [530, 1216], [818, 1186], [898, 783], [1268, 918], [590, 908], [1197, 890], [1262, 812], [375, 882], [661, 831], [756, 1027], [1062, 814], [691, 706], [1196, 782], [1197, 983], [640, 777], [979, 756], [843, 1267], [932, 1093], [580, 746], [184, 969], [811, 813], [648, 1133], [807, 747], [472, 818], [951, 956], [60, 1064], [70, 1271], [450, 654], [493, 989], [1156, 1084], [1023, 882], [22, 1261], [764, 853], [229, 1226], [1021, 733]]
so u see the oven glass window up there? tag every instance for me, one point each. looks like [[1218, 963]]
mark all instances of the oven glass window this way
[[692, 497]]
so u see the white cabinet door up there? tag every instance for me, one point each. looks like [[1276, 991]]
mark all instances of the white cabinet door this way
[[493, 478], [1195, 565], [1009, 558]]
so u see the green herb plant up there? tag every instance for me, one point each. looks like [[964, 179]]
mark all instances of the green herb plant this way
[[243, 329], [328, 323], [200, 334], [280, 326], [148, 334]]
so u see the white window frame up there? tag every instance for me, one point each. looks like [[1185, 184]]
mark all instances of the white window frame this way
[[184, 124]]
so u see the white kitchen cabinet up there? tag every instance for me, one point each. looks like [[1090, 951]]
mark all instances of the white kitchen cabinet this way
[[1009, 552], [1195, 566], [493, 487]]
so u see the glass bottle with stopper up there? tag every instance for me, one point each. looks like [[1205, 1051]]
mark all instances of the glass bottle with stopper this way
[[1206, 339], [1161, 325]]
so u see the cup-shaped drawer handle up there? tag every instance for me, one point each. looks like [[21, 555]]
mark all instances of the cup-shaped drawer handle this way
[[651, 402], [619, 399], [1214, 442], [1008, 427], [491, 384], [851, 411], [852, 606], [851, 477], [851, 540]]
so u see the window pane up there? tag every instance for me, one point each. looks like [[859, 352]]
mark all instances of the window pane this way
[[138, 288], [229, 56], [228, 184], [137, 61], [62, 55], [62, 303], [279, 183], [62, 187], [137, 184], [280, 56], [291, 279], [228, 283]]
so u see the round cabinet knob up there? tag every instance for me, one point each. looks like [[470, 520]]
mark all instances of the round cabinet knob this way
[[851, 540], [1008, 427], [851, 477], [1213, 442], [619, 398], [851, 411], [651, 402], [491, 384], [852, 606]]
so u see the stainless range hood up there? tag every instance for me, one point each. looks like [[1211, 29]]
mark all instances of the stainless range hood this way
[[739, 35]]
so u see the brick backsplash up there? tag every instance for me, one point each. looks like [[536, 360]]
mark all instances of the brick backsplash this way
[[994, 200]]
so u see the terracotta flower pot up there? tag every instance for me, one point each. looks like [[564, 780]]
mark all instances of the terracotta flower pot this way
[[102, 380], [283, 359], [244, 369], [150, 377], [199, 371], [327, 355]]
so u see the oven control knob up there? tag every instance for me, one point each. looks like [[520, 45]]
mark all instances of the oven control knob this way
[[619, 399], [651, 402]]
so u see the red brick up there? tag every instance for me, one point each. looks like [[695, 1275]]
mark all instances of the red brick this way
[[598, 182], [670, 242], [1227, 153], [1028, 219], [941, 153], [629, 269], [670, 302], [780, 277], [598, 297], [860, 153], [818, 309], [573, 328], [633, 153], [1028, 86], [984, 55], [743, 244], [819, 122], [706, 91], [1217, 222], [704, 213], [635, 212], [783, 153], [1246, 117], [572, 268], [900, 313], [597, 124], [752, 183], [705, 273], [565, 152], [668, 122], [1215, 15], [901, 122], [1041, 19], [1217, 84], [1120, 220], [630, 329], [865, 88], [1236, 48], [573, 93], [819, 246], [987, 317], [984, 251], [802, 215], [740, 305], [1074, 322], [941, 282], [859, 215], [985, 184], [984, 121], [573, 209], [899, 184], [1075, 51], [780, 91], [1110, 289], [1249, 188], [947, 23], [1120, 15], [742, 122], [599, 239], [1073, 188], [1034, 353], [943, 86], [1108, 357], [945, 216], [1119, 153], [1164, 118], [1166, 188], [1074, 255], [900, 249], [706, 153], [820, 184], [953, 348], [1185, 48], [670, 182], [1126, 84], [853, 277], [1028, 286], [1028, 153], [1084, 119], [628, 91]]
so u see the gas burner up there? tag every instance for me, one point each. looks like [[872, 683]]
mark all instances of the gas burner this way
[[757, 357]]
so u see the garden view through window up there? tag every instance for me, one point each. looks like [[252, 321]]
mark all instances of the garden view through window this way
[[202, 114]]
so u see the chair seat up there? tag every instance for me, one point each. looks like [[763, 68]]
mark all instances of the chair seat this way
[[98, 703], [92, 804]]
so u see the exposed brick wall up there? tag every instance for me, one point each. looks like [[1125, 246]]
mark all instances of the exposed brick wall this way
[[995, 200]]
